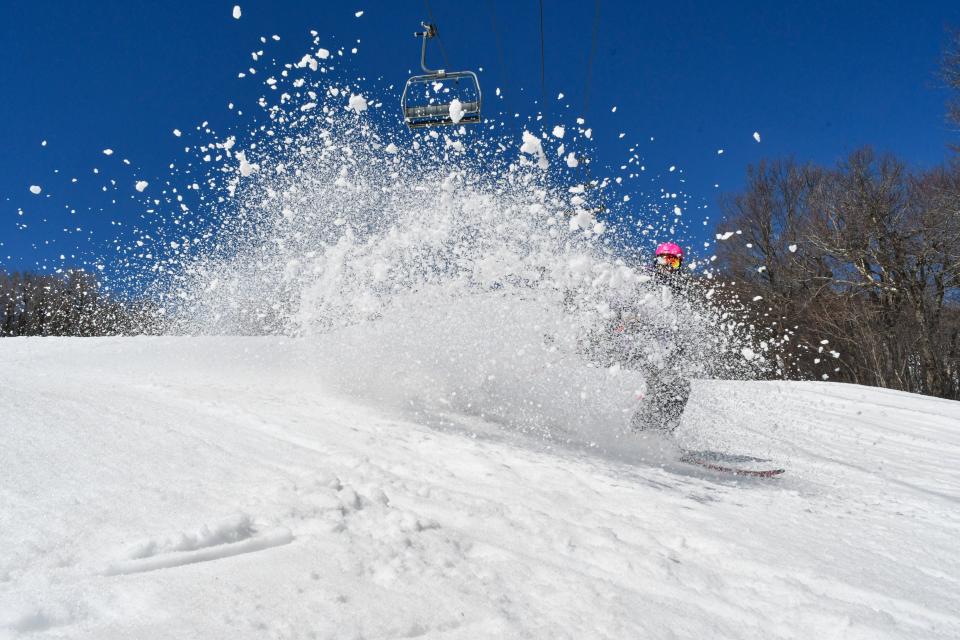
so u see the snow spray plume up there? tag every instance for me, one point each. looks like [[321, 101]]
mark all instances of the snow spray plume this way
[[450, 272]]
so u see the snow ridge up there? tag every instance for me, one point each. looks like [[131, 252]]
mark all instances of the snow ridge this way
[[227, 538]]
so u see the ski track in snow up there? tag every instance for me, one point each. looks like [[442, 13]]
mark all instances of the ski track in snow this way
[[212, 487]]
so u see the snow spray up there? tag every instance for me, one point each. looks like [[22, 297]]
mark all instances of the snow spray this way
[[450, 271]]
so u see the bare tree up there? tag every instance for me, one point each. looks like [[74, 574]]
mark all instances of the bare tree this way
[[71, 304], [766, 258], [950, 69], [857, 269]]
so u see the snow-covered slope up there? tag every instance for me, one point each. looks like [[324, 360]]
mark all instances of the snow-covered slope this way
[[217, 488]]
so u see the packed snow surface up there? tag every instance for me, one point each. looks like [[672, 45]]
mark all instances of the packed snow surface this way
[[235, 487], [430, 435]]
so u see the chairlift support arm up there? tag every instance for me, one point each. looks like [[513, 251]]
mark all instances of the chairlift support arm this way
[[429, 31]]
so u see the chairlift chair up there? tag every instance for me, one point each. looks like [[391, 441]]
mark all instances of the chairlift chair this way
[[437, 113]]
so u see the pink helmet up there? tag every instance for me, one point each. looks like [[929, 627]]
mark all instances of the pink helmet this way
[[669, 249]]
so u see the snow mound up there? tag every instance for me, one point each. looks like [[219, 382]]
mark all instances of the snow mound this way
[[227, 538]]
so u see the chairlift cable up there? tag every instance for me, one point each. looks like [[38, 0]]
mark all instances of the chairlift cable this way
[[443, 49], [543, 83], [585, 168], [496, 38], [593, 51]]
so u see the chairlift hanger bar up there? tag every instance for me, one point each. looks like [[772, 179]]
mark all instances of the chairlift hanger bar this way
[[429, 31]]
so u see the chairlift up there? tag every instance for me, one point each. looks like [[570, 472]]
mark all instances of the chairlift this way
[[434, 109]]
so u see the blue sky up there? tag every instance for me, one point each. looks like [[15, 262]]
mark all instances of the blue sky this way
[[816, 79]]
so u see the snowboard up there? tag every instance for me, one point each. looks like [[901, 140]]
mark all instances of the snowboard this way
[[738, 465]]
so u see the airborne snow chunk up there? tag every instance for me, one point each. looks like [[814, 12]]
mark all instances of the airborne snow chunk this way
[[531, 145], [582, 220], [558, 131], [756, 136], [456, 145], [357, 103], [236, 12], [307, 61], [246, 168], [456, 111], [141, 185]]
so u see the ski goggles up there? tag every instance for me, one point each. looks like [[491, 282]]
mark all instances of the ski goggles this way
[[670, 261]]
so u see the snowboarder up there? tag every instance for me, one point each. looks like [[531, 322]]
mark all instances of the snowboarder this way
[[646, 338], [666, 266], [654, 345], [667, 389]]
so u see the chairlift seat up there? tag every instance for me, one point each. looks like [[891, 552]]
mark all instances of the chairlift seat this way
[[437, 115], [431, 110]]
